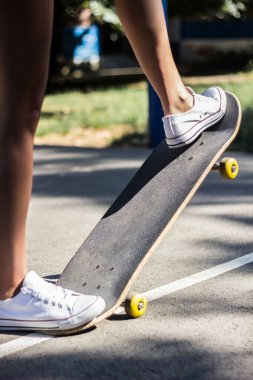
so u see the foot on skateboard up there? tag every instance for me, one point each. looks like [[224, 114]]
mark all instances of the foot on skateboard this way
[[208, 109]]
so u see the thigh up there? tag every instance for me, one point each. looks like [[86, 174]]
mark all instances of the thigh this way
[[25, 38]]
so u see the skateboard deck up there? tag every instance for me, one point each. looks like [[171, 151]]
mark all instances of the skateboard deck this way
[[110, 259]]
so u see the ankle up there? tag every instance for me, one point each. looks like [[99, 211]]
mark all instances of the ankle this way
[[181, 103], [11, 291]]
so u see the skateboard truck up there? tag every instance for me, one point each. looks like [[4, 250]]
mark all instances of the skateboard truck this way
[[228, 167]]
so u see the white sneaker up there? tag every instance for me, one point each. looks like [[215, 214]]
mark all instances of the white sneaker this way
[[41, 305], [208, 109]]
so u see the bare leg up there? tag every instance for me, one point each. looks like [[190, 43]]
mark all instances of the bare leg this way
[[25, 34], [145, 27]]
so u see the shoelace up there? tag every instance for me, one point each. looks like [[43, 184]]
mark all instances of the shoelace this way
[[56, 296], [205, 99]]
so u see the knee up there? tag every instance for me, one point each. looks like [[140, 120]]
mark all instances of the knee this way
[[20, 122], [34, 105], [33, 117], [20, 107]]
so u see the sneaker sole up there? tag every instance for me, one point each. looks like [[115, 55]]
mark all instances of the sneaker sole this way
[[75, 321]]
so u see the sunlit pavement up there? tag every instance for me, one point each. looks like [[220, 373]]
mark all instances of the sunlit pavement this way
[[202, 332]]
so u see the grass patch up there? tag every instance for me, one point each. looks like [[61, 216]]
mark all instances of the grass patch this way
[[113, 109], [118, 115]]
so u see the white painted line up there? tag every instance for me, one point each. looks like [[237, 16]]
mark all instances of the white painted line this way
[[30, 340], [22, 343], [194, 279], [198, 277]]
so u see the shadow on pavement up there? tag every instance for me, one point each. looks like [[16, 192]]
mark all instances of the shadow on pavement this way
[[80, 172], [143, 359], [102, 174]]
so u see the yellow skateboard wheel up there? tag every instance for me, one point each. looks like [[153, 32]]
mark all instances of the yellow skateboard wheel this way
[[136, 305], [229, 168]]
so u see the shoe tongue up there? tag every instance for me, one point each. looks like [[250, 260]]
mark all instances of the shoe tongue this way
[[33, 281]]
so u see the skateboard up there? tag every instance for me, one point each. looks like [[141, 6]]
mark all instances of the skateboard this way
[[115, 252]]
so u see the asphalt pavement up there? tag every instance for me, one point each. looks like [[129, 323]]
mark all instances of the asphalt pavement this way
[[204, 331]]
